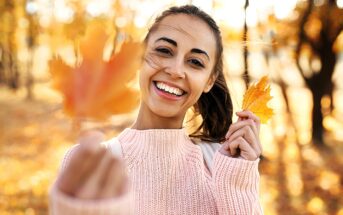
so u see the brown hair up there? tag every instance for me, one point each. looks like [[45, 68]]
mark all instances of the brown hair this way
[[214, 106]]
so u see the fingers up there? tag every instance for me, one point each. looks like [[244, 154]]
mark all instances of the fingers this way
[[103, 178], [249, 115], [241, 124], [80, 165], [246, 151], [113, 178], [249, 136], [93, 172], [90, 189], [116, 181], [240, 147], [225, 149], [86, 156], [243, 137]]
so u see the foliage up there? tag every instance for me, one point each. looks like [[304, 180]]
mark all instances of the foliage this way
[[98, 88], [256, 99]]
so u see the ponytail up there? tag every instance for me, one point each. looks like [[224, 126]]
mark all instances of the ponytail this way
[[215, 107]]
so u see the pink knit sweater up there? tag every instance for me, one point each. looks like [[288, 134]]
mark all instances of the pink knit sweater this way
[[168, 176]]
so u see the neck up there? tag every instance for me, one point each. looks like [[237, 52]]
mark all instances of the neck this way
[[148, 120]]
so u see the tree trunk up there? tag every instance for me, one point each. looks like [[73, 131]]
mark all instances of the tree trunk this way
[[29, 77], [320, 85], [31, 44], [13, 81], [245, 45], [2, 72], [317, 117]]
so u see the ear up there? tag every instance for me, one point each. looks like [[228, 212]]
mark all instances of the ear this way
[[210, 83]]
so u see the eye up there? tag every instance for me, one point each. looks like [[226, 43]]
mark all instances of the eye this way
[[164, 51], [197, 63]]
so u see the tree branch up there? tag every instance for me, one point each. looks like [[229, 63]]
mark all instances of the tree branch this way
[[302, 38], [340, 28]]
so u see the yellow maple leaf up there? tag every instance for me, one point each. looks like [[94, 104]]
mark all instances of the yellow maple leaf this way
[[97, 88], [256, 99]]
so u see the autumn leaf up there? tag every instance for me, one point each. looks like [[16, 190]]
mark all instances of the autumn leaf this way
[[256, 99], [97, 88]]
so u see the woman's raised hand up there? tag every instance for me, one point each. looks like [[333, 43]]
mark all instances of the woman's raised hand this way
[[93, 172], [242, 139]]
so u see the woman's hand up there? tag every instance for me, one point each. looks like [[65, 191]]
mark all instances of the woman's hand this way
[[93, 171], [242, 139]]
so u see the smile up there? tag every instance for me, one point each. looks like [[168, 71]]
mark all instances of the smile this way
[[175, 91]]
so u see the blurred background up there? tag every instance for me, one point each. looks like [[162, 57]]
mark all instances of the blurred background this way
[[297, 43]]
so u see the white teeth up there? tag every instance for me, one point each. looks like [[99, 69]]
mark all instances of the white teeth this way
[[169, 89]]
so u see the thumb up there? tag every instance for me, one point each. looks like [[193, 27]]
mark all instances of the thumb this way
[[92, 137], [241, 116]]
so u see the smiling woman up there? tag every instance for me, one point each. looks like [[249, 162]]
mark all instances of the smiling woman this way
[[161, 169], [199, 36]]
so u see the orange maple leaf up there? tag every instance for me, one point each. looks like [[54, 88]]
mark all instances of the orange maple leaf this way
[[96, 88], [256, 99]]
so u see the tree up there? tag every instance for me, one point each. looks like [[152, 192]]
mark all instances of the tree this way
[[9, 72], [313, 35], [245, 45], [318, 29], [31, 42]]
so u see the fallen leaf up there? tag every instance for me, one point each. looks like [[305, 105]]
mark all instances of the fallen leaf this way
[[97, 88], [256, 99]]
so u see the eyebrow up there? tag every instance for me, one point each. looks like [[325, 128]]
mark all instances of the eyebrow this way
[[174, 43], [199, 51]]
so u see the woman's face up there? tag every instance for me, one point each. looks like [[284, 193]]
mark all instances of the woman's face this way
[[179, 60]]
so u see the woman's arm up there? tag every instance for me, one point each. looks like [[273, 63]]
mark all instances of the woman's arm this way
[[235, 168], [236, 185], [62, 204]]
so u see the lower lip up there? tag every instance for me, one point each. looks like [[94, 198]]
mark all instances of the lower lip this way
[[166, 95]]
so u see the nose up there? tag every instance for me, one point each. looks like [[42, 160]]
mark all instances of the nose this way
[[176, 70]]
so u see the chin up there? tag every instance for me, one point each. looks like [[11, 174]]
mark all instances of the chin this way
[[166, 112]]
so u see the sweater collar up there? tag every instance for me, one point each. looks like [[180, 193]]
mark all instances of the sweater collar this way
[[160, 141]]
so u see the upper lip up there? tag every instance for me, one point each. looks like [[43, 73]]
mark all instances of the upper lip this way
[[172, 85]]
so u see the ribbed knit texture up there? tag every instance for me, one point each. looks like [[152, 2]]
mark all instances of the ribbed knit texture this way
[[168, 176]]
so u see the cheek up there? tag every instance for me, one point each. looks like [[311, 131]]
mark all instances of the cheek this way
[[153, 61], [198, 86], [200, 82], [145, 73]]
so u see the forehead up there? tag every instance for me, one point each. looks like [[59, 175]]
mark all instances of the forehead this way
[[186, 29]]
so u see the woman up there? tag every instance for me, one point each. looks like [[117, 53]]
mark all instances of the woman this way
[[165, 169]]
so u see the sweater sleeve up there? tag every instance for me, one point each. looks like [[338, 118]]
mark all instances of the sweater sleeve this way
[[63, 204], [236, 184]]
